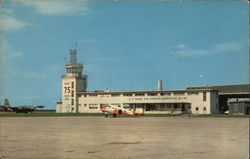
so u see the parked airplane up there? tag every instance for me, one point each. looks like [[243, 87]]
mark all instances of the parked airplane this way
[[18, 109], [115, 111], [6, 107]]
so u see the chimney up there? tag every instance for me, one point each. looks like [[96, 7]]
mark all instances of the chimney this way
[[159, 85]]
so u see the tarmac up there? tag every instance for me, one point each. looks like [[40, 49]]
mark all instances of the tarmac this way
[[124, 138]]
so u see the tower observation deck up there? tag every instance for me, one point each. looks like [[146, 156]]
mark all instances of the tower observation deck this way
[[72, 67]]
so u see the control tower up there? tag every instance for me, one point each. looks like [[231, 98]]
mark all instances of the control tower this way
[[74, 81]]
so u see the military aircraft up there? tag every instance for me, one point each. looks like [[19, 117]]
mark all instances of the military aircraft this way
[[115, 111], [18, 109], [6, 107]]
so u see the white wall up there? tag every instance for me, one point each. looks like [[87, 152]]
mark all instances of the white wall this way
[[196, 100]]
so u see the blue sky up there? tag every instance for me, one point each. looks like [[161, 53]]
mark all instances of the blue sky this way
[[123, 45]]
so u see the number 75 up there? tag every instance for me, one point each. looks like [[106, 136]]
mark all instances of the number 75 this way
[[66, 89]]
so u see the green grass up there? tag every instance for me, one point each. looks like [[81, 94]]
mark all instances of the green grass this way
[[47, 114]]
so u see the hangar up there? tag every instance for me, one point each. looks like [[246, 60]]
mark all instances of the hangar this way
[[227, 92]]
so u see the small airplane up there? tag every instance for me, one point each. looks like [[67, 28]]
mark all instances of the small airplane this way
[[18, 109], [115, 111]]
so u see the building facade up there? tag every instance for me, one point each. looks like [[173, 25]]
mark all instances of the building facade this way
[[75, 98]]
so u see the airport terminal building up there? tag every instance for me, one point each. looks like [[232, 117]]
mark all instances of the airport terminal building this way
[[76, 98]]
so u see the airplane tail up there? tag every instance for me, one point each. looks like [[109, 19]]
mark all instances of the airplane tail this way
[[6, 102]]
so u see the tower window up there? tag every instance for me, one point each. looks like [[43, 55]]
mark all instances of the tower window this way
[[72, 93], [72, 84], [72, 101]]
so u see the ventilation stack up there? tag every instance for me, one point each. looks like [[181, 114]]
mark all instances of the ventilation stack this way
[[159, 85]]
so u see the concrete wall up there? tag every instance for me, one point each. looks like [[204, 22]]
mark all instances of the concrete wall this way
[[71, 83]]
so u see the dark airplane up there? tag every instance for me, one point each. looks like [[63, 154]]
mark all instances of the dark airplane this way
[[6, 107], [18, 109]]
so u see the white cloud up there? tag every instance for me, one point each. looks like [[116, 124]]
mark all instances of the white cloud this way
[[17, 54], [29, 74], [9, 23], [188, 53], [3, 43], [3, 47], [201, 76], [231, 46], [181, 46], [7, 11], [57, 7], [183, 51]]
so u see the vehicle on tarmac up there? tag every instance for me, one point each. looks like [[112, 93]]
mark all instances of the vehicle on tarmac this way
[[18, 109], [116, 111]]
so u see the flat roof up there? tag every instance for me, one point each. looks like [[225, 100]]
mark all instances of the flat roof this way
[[146, 91], [234, 88]]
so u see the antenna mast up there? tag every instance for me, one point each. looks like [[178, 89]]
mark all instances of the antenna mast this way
[[76, 45]]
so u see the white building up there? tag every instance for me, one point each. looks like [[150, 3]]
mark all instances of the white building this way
[[75, 98]]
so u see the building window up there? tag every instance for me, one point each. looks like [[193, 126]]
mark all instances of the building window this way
[[127, 94], [72, 84], [168, 105], [72, 101], [72, 109], [72, 93], [204, 108], [139, 94], [176, 105], [193, 93], [204, 96], [115, 95], [151, 107], [93, 106], [104, 105], [85, 105], [179, 93], [92, 95], [196, 108], [167, 94], [152, 94], [116, 104]]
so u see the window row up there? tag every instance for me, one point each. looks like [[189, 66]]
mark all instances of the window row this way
[[138, 94]]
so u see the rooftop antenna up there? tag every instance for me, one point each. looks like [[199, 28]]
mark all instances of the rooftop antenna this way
[[65, 60], [73, 58], [76, 45]]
